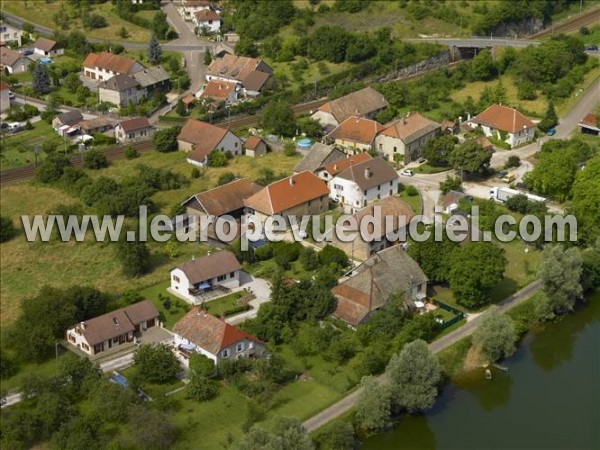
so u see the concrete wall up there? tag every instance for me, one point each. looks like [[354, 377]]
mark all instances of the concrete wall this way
[[181, 285]]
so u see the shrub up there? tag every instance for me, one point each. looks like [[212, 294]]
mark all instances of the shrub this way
[[411, 191], [513, 161], [333, 255], [195, 173], [131, 153], [217, 159], [95, 160]]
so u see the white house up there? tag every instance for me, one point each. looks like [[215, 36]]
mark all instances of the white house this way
[[362, 183], [198, 139], [132, 130], [103, 66], [202, 274], [203, 333], [47, 47], [402, 139], [220, 92], [9, 34], [251, 73], [506, 124], [207, 19], [191, 7], [114, 328]]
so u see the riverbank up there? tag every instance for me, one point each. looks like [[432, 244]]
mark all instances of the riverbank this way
[[414, 432], [548, 399]]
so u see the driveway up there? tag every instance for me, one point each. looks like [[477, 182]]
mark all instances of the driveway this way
[[262, 291], [190, 46]]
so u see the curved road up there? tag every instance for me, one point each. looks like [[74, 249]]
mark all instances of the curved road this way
[[345, 404]]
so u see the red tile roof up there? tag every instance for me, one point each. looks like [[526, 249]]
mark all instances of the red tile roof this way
[[589, 120], [355, 129], [287, 193], [204, 137], [108, 61], [410, 127], [225, 199], [204, 15], [252, 142], [208, 332], [218, 90], [503, 118]]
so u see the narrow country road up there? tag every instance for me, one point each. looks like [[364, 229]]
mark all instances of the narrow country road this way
[[345, 404]]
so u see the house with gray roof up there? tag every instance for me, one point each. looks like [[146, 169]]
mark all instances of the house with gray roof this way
[[153, 79], [121, 90], [366, 103], [389, 272], [359, 184], [318, 156]]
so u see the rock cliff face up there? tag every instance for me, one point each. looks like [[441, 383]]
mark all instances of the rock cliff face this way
[[519, 29], [439, 60]]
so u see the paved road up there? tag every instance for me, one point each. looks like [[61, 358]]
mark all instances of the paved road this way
[[479, 42], [345, 404]]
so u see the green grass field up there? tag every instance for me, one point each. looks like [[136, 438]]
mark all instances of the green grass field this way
[[28, 266], [220, 305], [178, 306], [31, 11], [413, 201], [18, 149]]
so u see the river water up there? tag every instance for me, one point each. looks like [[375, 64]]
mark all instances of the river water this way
[[550, 398]]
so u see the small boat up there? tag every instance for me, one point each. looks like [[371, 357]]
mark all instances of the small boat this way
[[502, 368], [488, 374]]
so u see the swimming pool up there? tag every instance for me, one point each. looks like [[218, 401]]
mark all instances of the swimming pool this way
[[304, 143]]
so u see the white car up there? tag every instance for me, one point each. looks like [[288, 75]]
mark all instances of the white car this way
[[11, 95], [407, 173]]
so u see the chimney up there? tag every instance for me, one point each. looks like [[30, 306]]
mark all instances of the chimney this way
[[335, 167], [368, 173], [82, 325], [292, 182]]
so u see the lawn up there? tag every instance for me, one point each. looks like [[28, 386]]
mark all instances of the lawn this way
[[31, 11], [428, 169], [223, 304], [19, 149], [537, 106], [413, 201], [158, 294], [312, 73], [520, 271]]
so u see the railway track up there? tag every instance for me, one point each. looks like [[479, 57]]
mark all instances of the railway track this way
[[27, 172], [574, 24]]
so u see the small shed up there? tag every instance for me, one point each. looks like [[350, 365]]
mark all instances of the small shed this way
[[255, 146]]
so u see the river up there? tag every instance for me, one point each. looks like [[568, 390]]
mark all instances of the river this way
[[550, 398]]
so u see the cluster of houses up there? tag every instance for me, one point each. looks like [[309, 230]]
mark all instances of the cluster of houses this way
[[18, 61], [73, 125], [349, 123], [205, 15], [231, 78]]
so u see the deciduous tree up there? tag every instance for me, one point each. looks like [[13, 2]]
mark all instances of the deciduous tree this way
[[156, 363], [413, 377], [373, 408], [496, 335]]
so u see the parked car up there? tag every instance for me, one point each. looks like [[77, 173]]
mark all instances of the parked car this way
[[501, 174], [27, 51], [551, 132], [421, 160], [592, 48], [15, 127], [407, 173], [11, 95]]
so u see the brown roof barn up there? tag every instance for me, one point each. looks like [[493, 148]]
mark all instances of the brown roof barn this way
[[318, 156], [388, 272], [359, 103], [204, 137], [135, 124], [224, 199]]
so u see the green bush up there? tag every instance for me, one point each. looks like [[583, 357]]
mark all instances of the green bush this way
[[131, 153], [411, 191]]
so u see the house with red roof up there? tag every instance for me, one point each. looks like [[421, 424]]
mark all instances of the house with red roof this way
[[589, 124], [356, 134], [297, 195], [506, 124], [203, 333], [198, 139]]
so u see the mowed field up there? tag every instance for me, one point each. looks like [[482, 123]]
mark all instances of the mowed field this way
[[42, 13], [26, 266]]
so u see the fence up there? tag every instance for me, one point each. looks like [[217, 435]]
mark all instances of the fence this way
[[458, 314]]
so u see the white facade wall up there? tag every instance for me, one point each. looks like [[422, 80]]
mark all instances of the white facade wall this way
[[213, 25], [326, 119], [353, 198], [513, 139], [353, 145], [4, 100], [389, 146], [97, 73], [231, 143], [181, 285], [138, 135]]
